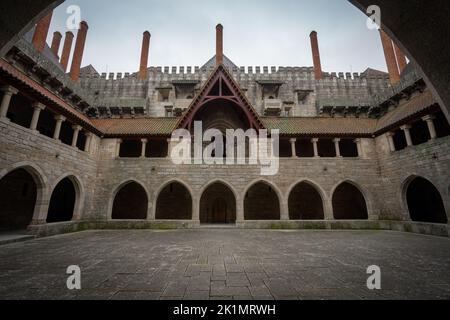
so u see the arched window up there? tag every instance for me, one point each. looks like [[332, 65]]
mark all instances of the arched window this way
[[62, 202], [305, 203], [261, 203], [130, 203], [218, 204], [174, 203], [349, 203]]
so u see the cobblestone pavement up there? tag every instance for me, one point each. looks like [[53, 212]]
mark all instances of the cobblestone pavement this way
[[227, 264]]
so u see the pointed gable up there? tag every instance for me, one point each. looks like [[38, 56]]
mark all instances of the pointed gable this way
[[221, 86]]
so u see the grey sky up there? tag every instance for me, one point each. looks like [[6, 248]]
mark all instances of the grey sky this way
[[256, 33]]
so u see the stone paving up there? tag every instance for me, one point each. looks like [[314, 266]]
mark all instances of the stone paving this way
[[227, 264]]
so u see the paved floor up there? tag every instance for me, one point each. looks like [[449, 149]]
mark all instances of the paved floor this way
[[227, 264]]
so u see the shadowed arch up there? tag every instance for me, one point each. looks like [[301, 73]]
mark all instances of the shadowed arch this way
[[65, 201], [262, 202], [218, 203], [306, 202], [130, 202], [174, 202], [349, 202]]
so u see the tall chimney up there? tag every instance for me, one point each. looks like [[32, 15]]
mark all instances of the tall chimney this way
[[41, 32], [79, 51], [219, 44], [316, 56], [66, 50], [143, 69], [401, 58], [56, 42], [389, 53]]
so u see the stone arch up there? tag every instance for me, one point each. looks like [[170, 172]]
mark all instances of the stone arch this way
[[350, 202], [66, 199], [311, 207], [261, 203], [174, 200], [26, 183], [218, 202], [124, 208], [423, 200]]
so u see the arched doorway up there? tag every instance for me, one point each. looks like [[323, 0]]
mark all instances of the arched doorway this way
[[218, 204], [62, 202], [130, 203], [261, 203], [349, 203], [305, 203], [18, 194], [174, 203], [425, 203]]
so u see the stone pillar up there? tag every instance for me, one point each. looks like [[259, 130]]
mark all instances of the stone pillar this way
[[143, 67], [284, 210], [293, 147], [390, 137], [337, 147], [359, 147], [56, 43], [240, 216], [8, 92], [41, 32], [59, 121], [38, 107], [66, 50], [119, 142], [316, 56], [431, 127], [87, 146], [389, 54], [315, 141], [219, 44], [76, 133], [144, 148], [406, 129], [79, 51]]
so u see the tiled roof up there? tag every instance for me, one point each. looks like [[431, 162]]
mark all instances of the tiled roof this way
[[404, 111], [322, 126], [136, 127]]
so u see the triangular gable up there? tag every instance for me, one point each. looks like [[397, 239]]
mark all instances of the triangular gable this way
[[220, 85]]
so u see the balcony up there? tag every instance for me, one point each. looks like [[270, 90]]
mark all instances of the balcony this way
[[273, 107]]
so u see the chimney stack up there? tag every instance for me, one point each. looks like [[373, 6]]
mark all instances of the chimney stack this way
[[41, 32], [389, 54], [66, 50], [401, 58], [316, 56], [219, 44], [56, 42], [143, 69], [79, 51]]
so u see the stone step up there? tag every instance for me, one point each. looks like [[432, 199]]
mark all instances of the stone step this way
[[13, 237]]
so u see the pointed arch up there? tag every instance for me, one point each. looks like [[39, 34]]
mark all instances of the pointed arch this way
[[218, 203], [262, 201], [129, 201], [306, 201], [67, 199], [349, 202], [174, 201]]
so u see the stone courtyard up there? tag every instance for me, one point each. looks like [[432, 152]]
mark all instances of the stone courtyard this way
[[215, 263]]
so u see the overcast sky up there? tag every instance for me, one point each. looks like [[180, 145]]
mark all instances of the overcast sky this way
[[256, 33]]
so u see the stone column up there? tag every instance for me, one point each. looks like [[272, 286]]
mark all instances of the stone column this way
[[359, 147], [87, 146], [406, 129], [430, 122], [315, 141], [293, 147], [390, 137], [59, 121], [119, 142], [144, 147], [8, 92], [240, 217], [76, 133], [337, 147], [38, 107]]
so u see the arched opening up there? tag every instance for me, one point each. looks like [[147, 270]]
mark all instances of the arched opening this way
[[261, 203], [424, 202], [130, 203], [218, 205], [349, 203], [305, 203], [18, 194], [174, 203], [62, 202]]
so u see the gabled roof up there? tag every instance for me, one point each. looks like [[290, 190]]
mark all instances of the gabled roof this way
[[222, 77], [373, 73], [226, 62]]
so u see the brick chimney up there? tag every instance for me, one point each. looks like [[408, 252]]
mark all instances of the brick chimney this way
[[219, 44], [401, 58], [66, 50], [56, 42], [79, 51], [143, 68], [316, 56], [389, 54], [41, 32]]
